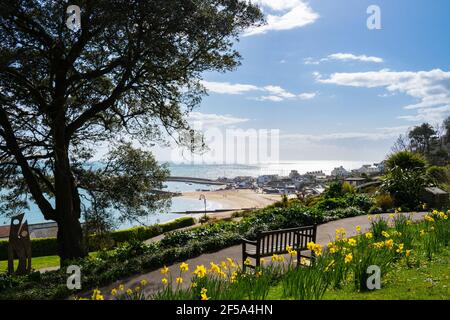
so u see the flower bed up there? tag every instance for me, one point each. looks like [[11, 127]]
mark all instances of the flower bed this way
[[344, 262]]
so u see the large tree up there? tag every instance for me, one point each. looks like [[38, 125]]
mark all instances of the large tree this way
[[133, 69]]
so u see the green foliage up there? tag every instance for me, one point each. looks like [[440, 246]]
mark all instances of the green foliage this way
[[405, 179], [406, 160], [378, 225], [334, 190], [306, 283], [384, 202], [341, 213], [439, 175]]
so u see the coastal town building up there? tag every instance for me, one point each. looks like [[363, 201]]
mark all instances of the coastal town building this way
[[340, 172]]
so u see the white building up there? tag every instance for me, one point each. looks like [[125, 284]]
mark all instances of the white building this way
[[368, 169], [340, 172]]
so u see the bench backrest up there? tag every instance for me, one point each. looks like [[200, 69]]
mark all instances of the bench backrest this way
[[276, 242]]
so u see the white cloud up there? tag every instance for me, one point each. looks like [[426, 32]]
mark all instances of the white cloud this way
[[307, 96], [350, 57], [228, 88], [273, 93], [286, 15], [269, 98], [343, 57], [280, 92], [430, 88], [213, 120]]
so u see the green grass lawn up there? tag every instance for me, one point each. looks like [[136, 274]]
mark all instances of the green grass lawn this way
[[36, 263], [429, 281], [39, 262]]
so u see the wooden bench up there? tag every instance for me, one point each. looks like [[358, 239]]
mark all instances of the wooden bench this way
[[269, 243]]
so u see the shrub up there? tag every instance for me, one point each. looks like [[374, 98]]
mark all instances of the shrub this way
[[361, 201], [342, 213], [330, 204], [384, 201]]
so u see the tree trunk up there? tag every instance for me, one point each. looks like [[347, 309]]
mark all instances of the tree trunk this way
[[67, 198], [70, 236]]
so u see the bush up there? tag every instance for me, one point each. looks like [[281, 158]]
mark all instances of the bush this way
[[361, 201], [342, 213], [331, 204], [384, 202]]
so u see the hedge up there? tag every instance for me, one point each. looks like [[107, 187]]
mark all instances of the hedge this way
[[39, 248], [42, 247]]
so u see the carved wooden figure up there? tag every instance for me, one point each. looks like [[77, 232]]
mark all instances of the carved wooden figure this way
[[19, 246]]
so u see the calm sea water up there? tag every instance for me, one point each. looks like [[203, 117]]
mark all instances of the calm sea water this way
[[211, 172]]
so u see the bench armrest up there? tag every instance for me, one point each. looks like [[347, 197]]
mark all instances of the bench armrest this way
[[249, 241]]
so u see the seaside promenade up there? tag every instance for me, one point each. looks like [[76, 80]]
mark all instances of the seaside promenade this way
[[325, 234]]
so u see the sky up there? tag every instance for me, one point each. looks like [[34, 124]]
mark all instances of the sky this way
[[335, 89]]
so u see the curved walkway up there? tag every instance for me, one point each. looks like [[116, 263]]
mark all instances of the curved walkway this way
[[325, 234]]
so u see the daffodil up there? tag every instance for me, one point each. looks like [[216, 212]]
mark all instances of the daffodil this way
[[231, 263], [144, 282], [385, 234], [352, 242], [129, 292], [179, 280], [97, 295], [408, 253], [247, 262], [215, 268], [369, 235], [114, 292], [348, 258], [200, 271], [165, 281], [165, 270], [389, 243], [358, 229], [184, 267]]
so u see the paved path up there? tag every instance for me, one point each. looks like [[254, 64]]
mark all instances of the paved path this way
[[325, 234]]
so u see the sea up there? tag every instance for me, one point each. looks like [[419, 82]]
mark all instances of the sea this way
[[208, 171]]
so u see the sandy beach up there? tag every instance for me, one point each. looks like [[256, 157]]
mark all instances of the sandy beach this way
[[236, 199]]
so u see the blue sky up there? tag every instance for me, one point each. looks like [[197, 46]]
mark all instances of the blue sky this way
[[335, 89]]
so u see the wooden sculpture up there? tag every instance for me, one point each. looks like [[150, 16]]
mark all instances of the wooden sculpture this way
[[19, 246]]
